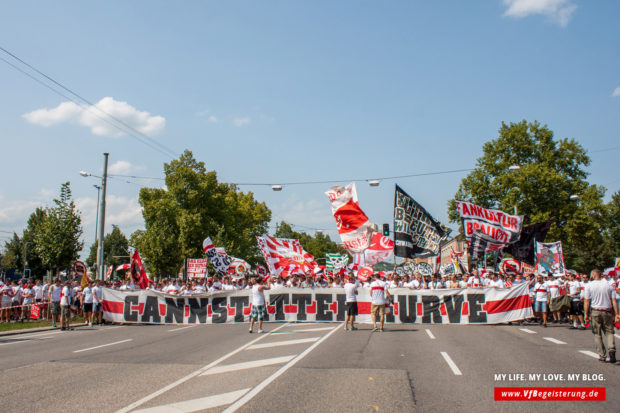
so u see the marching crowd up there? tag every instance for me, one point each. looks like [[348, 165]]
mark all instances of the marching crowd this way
[[554, 299]]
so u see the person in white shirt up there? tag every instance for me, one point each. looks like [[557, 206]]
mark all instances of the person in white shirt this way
[[554, 285], [65, 306], [541, 297], [257, 313], [6, 302], [54, 299], [37, 291], [87, 303], [350, 291], [27, 301], [475, 281], [435, 283], [98, 302], [379, 298], [576, 309], [599, 297], [496, 282]]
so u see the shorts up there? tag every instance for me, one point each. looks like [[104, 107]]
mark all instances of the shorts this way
[[377, 308], [87, 307], [5, 303], [65, 311], [540, 307], [351, 308], [55, 308], [576, 308], [258, 312], [96, 307]]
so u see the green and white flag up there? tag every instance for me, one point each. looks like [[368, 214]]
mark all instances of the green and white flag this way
[[335, 262]]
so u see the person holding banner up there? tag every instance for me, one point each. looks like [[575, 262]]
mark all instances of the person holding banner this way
[[258, 303], [350, 290]]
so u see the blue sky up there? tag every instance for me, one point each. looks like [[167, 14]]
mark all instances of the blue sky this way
[[297, 91]]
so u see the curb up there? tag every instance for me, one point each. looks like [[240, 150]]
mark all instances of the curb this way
[[36, 330]]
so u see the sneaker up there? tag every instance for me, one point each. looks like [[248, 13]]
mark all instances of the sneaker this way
[[353, 328], [261, 331], [90, 324], [602, 359], [545, 325], [612, 357], [572, 328], [374, 329], [250, 331], [346, 328], [381, 330]]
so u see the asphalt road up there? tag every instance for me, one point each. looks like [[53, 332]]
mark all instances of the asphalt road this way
[[295, 367]]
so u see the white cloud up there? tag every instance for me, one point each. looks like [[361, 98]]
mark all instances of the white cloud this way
[[124, 212], [616, 92], [14, 213], [93, 117], [123, 168], [212, 119], [559, 11], [242, 121]]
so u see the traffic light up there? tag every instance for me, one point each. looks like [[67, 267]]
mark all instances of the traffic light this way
[[386, 230]]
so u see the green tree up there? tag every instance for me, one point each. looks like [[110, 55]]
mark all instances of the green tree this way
[[58, 232], [195, 205], [13, 256], [37, 270], [115, 249], [550, 172], [317, 245]]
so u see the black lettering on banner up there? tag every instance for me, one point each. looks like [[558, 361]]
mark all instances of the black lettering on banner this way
[[323, 313], [407, 308], [453, 304], [301, 300], [389, 317], [239, 303], [431, 307], [476, 315], [197, 309], [279, 301], [128, 314], [220, 311], [342, 299], [174, 309], [151, 310]]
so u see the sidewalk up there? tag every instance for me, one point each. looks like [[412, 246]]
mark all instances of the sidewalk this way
[[36, 330]]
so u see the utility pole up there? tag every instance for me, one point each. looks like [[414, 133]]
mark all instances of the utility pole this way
[[101, 214]]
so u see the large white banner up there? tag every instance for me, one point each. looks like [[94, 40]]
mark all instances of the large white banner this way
[[453, 306], [500, 226]]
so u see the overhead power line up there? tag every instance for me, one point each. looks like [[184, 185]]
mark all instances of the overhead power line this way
[[118, 123]]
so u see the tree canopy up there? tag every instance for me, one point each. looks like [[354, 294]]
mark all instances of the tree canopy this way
[[550, 171], [115, 249], [192, 206]]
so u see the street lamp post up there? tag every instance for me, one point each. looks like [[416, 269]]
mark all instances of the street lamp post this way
[[26, 258], [97, 219], [100, 215]]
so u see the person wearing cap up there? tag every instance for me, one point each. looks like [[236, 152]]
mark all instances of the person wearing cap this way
[[599, 298]]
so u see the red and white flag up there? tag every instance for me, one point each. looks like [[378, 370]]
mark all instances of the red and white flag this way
[[218, 257], [138, 272], [285, 257], [108, 273], [353, 225], [381, 248]]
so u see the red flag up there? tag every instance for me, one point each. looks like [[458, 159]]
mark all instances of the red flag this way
[[138, 273]]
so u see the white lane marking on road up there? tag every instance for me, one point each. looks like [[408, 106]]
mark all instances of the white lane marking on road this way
[[313, 329], [103, 345], [451, 363], [25, 336], [284, 343], [617, 336], [553, 340], [527, 330], [194, 405], [589, 353], [31, 339], [239, 403], [182, 328], [430, 334], [248, 365], [195, 373]]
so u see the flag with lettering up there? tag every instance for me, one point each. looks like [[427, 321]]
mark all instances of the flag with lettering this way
[[353, 225], [416, 232], [217, 256], [499, 226]]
